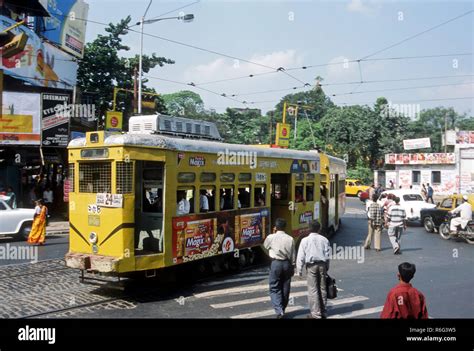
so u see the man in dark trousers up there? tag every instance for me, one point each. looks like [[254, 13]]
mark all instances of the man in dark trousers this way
[[404, 301], [281, 249], [430, 193], [313, 254]]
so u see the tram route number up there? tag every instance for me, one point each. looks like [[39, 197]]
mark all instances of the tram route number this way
[[93, 209]]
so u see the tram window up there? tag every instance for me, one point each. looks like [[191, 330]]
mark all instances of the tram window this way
[[244, 196], [299, 176], [299, 193], [227, 177], [152, 199], [186, 177], [342, 186], [207, 199], [259, 196], [71, 177], [95, 177], [245, 177], [185, 201], [226, 198], [310, 176], [189, 128], [280, 191], [207, 177], [124, 177], [310, 191], [155, 174]]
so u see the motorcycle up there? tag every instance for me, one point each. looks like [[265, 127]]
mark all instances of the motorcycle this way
[[466, 233]]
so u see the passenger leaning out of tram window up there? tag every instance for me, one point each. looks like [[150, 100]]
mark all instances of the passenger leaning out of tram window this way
[[183, 204]]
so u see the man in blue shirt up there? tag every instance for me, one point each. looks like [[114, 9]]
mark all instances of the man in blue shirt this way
[[430, 194]]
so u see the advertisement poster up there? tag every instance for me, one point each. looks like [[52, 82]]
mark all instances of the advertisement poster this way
[[20, 122], [251, 228], [390, 178], [420, 159], [203, 235], [404, 178], [55, 120], [40, 63], [421, 143], [465, 137], [67, 24]]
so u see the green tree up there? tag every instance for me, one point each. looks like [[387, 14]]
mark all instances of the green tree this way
[[185, 104], [102, 68]]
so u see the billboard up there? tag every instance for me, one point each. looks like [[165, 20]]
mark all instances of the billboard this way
[[283, 134], [465, 137], [421, 143], [420, 159], [55, 120], [20, 122], [67, 25], [40, 63]]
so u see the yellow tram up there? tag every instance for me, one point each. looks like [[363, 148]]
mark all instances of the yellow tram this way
[[170, 192]]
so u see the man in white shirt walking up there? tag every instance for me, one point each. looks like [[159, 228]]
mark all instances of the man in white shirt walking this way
[[313, 253], [281, 249], [465, 209]]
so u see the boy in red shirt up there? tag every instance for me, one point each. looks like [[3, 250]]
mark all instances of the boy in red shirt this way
[[404, 301]]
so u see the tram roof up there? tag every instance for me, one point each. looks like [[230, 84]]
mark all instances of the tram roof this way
[[193, 145]]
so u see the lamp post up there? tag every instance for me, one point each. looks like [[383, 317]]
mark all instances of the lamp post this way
[[184, 18]]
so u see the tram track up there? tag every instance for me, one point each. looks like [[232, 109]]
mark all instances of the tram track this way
[[56, 292]]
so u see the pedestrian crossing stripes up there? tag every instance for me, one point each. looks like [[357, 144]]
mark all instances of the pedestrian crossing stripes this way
[[229, 302]]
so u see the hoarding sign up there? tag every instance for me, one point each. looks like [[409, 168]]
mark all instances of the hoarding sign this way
[[411, 144], [55, 120], [465, 137], [20, 120], [40, 63], [283, 135], [113, 121], [420, 159], [67, 24]]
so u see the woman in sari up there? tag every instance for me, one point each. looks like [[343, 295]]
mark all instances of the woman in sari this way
[[38, 229]]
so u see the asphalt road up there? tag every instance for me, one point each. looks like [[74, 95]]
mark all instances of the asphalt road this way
[[444, 274]]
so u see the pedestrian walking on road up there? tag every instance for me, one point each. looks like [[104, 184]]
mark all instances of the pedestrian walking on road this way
[[281, 249], [38, 229], [396, 223], [430, 193], [375, 225], [313, 254], [404, 301]]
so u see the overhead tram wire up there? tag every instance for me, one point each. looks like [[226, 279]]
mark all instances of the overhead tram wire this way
[[417, 35], [404, 88]]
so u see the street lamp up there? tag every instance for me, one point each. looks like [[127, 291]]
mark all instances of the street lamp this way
[[184, 18]]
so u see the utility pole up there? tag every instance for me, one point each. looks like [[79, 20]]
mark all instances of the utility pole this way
[[135, 90], [445, 133]]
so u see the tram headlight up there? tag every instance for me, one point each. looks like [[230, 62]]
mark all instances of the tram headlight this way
[[92, 238]]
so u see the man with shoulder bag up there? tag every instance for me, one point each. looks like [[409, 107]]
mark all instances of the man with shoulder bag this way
[[313, 253]]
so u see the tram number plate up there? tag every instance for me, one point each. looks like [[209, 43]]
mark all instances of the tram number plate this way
[[94, 220]]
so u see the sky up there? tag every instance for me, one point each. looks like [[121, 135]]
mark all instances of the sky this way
[[260, 36]]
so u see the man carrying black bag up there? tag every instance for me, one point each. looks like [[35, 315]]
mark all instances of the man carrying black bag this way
[[313, 254]]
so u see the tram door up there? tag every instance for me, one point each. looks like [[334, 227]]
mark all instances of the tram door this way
[[280, 199], [149, 208]]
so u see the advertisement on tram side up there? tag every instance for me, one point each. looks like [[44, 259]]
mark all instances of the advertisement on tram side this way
[[203, 235]]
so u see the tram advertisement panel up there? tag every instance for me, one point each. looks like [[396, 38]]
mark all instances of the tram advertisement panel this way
[[208, 234]]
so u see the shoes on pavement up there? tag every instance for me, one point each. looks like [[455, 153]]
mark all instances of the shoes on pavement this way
[[280, 316], [397, 251]]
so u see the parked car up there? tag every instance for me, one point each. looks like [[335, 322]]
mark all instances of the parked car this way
[[432, 218], [16, 222], [410, 200], [354, 187]]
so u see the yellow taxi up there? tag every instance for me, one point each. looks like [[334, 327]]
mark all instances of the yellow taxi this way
[[354, 187]]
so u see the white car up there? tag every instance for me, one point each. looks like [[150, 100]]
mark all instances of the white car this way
[[410, 200], [16, 221]]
